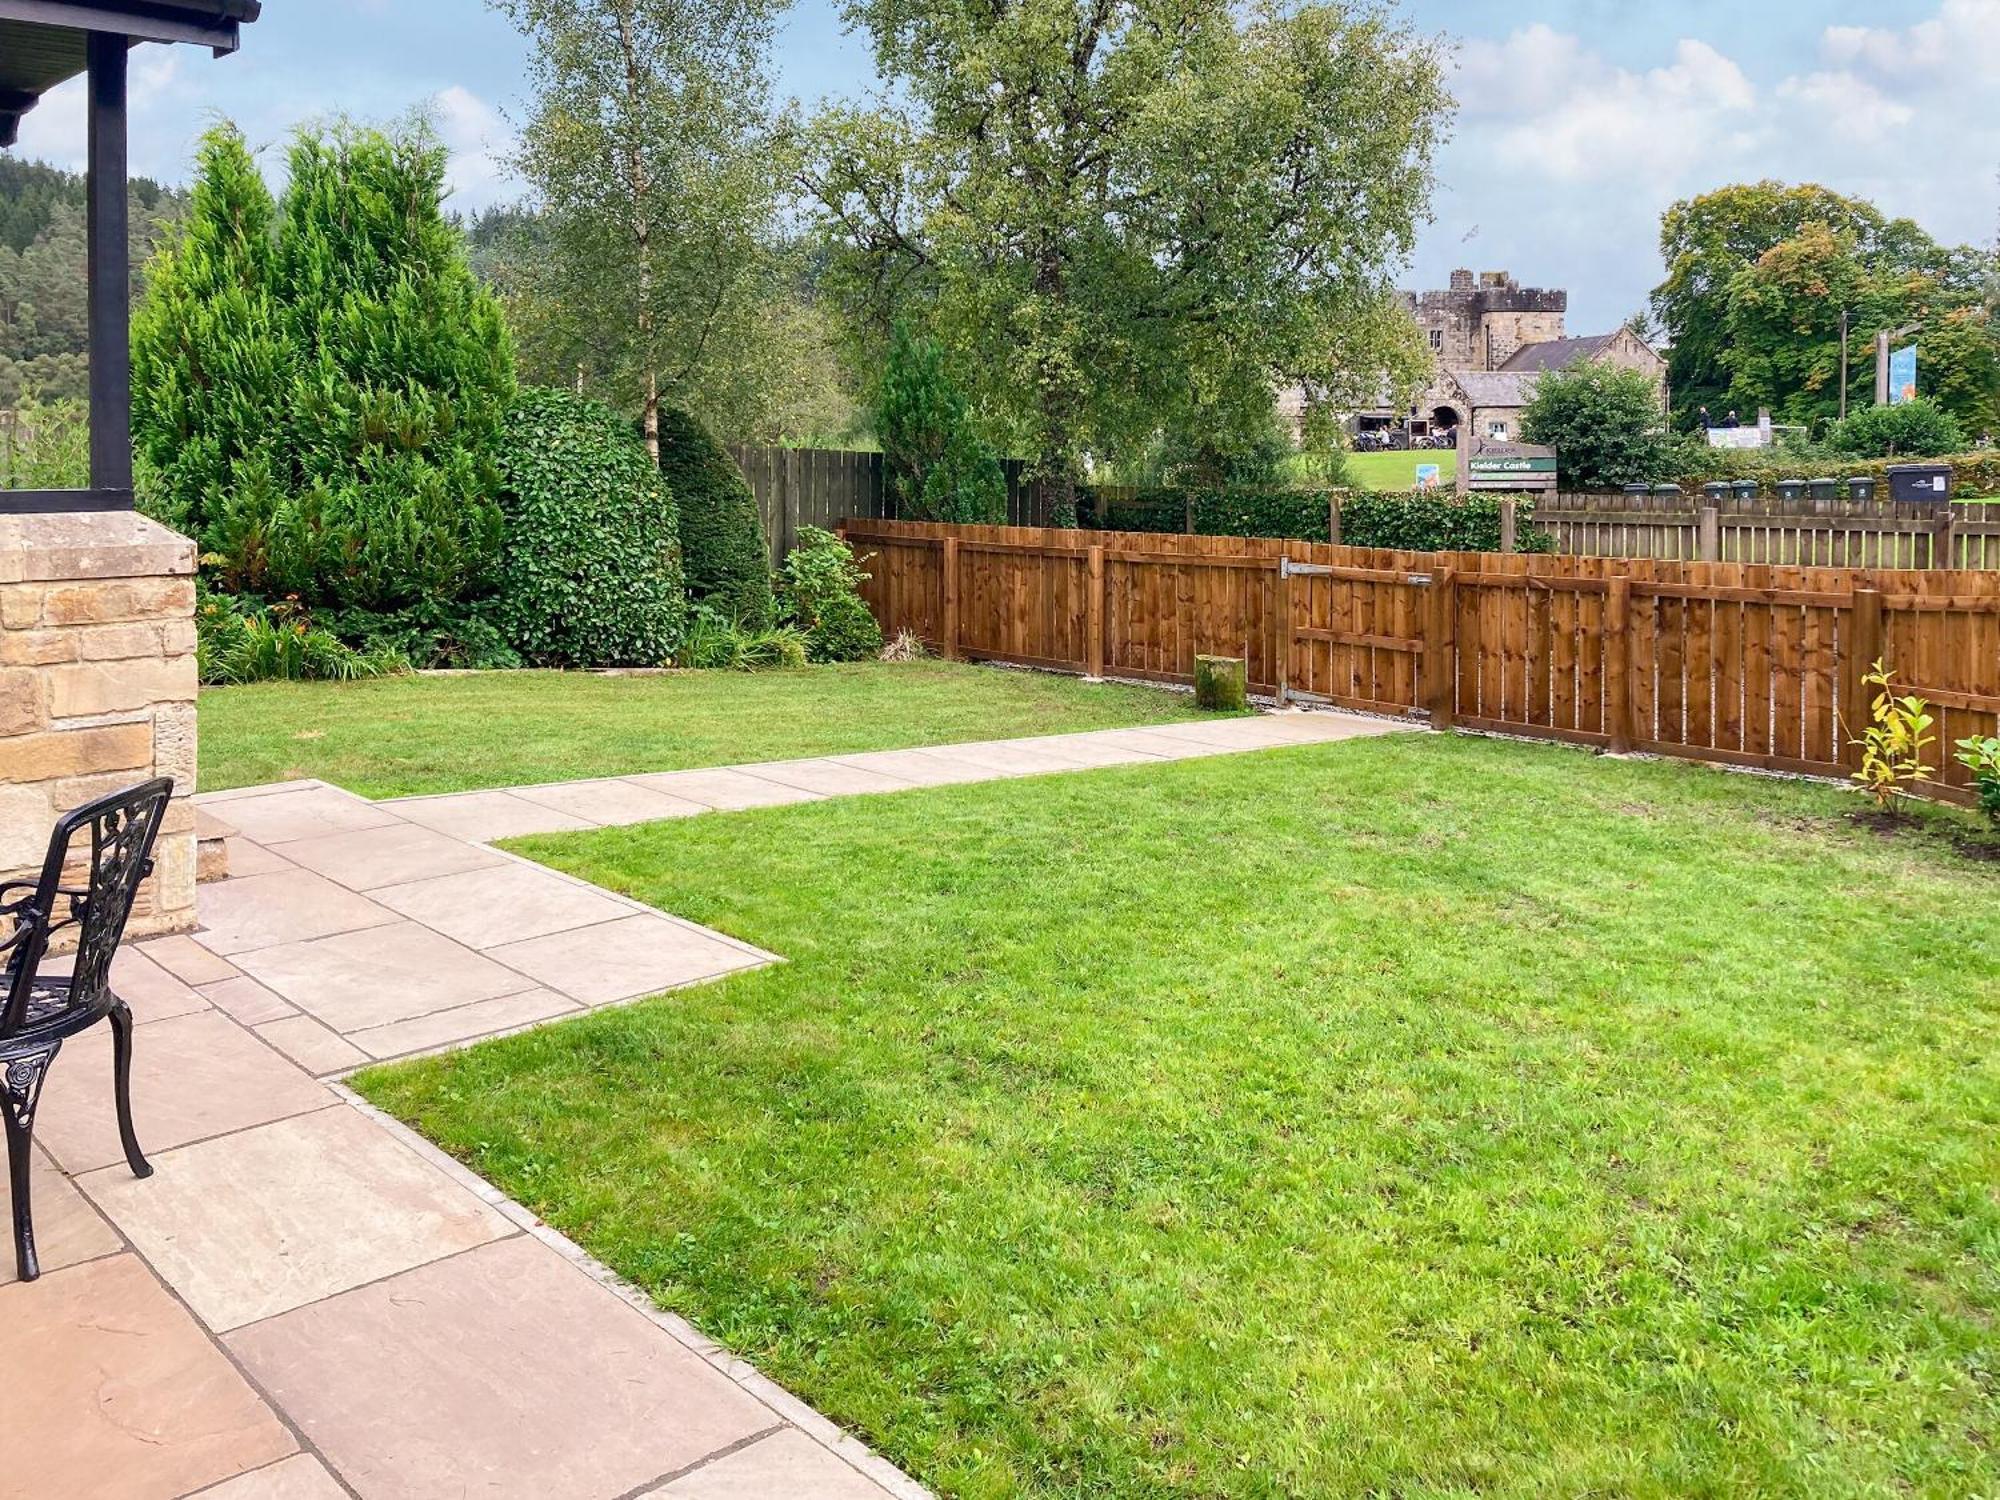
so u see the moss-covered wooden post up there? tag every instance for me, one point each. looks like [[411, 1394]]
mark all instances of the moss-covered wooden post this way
[[1222, 683]]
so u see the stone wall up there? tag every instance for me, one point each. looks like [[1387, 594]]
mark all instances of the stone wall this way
[[97, 686]]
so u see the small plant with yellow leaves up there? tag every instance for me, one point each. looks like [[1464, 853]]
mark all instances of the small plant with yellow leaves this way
[[1893, 744]]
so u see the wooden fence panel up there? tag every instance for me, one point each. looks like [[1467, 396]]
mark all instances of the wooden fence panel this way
[[1753, 664]]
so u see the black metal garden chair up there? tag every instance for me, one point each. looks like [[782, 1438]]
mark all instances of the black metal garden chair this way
[[43, 1011]]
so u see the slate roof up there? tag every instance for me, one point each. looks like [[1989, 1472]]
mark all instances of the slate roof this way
[[1485, 388], [42, 41], [1559, 354]]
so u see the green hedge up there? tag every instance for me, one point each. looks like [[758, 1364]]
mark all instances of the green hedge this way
[[591, 575], [1414, 523], [722, 540]]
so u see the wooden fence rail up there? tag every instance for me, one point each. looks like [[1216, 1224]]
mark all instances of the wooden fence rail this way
[[1743, 663]]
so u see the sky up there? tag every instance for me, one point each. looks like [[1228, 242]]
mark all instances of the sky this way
[[1579, 120]]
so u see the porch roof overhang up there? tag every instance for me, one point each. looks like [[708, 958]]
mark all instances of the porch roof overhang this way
[[45, 42]]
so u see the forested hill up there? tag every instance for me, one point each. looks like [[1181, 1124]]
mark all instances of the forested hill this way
[[43, 324]]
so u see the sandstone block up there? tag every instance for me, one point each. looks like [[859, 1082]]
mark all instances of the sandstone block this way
[[62, 753], [22, 704], [86, 688]]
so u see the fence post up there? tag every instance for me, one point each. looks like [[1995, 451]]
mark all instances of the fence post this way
[[1333, 519], [1711, 534], [1508, 525], [1943, 539], [1189, 528], [951, 598], [1282, 642], [1440, 648], [1861, 648], [1093, 617], [1618, 665]]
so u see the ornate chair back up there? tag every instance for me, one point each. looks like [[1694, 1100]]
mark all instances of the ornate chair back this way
[[122, 828]]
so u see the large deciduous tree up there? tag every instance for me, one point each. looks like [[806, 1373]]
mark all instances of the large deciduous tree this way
[[1758, 275], [1120, 216], [650, 154]]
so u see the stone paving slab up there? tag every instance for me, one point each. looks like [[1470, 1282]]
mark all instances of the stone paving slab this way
[[300, 1477], [486, 816], [289, 1213], [394, 854], [68, 1231], [413, 1389], [725, 789], [192, 1077], [507, 903], [115, 1393], [610, 802]]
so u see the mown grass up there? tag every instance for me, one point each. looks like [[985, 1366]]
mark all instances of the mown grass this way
[[1395, 472], [1409, 1117], [398, 736]]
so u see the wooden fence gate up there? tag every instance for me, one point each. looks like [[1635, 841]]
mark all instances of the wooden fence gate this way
[[1360, 638]]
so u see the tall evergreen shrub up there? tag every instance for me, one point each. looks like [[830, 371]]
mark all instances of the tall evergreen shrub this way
[[722, 539], [319, 387]]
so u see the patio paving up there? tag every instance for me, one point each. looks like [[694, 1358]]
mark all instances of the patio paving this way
[[306, 1300]]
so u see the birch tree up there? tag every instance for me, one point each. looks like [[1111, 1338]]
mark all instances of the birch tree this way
[[649, 152]]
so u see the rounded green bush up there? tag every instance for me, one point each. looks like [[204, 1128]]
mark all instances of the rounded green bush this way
[[722, 539], [591, 573]]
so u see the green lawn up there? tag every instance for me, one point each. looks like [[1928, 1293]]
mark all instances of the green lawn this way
[[1411, 1117], [396, 736], [1396, 472]]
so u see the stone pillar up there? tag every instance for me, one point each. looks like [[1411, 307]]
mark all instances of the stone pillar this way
[[97, 686]]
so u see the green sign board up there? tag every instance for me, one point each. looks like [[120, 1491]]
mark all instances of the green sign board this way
[[1514, 465]]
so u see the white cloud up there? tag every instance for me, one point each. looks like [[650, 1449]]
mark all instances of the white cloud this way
[[1849, 106], [1961, 42], [1546, 101], [57, 128], [479, 141]]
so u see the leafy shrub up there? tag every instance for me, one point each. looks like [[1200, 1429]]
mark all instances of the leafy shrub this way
[[716, 642], [1289, 513], [1893, 742], [822, 597], [1981, 755], [237, 642], [1604, 423], [1915, 429], [723, 551], [591, 574], [935, 467]]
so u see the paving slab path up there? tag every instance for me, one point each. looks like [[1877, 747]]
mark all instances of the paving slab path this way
[[307, 1300]]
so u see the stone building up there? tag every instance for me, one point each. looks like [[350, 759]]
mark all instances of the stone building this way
[[1492, 340], [1478, 323]]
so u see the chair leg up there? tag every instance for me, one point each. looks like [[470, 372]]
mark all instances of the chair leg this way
[[21, 1092], [121, 1046]]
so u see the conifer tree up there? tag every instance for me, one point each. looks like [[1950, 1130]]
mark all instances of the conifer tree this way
[[319, 385]]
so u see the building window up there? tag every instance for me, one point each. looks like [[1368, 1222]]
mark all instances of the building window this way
[[1496, 432], [1437, 341]]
